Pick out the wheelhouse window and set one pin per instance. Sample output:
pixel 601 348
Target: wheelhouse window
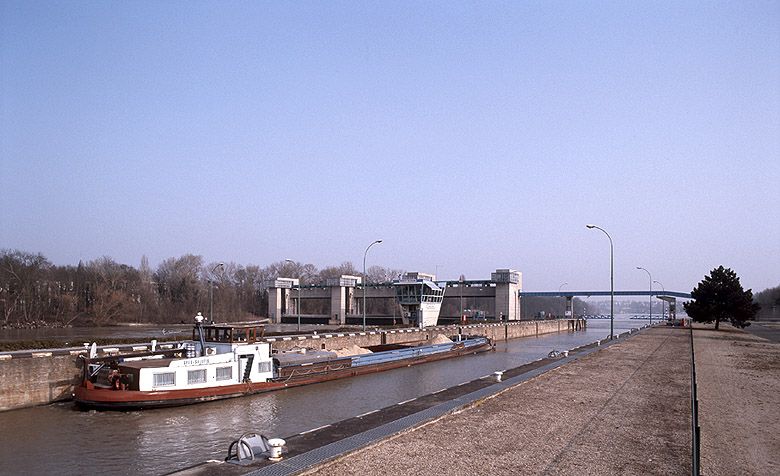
pixel 166 379
pixel 196 376
pixel 224 373
pixel 264 367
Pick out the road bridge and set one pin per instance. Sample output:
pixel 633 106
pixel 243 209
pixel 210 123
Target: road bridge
pixel 604 293
pixel 668 296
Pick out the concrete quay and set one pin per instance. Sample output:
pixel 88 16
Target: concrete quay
pixel 622 410
pixel 592 411
pixel 621 407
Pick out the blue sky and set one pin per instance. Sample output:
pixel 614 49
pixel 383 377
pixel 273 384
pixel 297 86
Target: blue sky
pixel 469 136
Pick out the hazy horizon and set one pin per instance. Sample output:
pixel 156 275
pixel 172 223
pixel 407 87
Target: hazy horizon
pixel 468 136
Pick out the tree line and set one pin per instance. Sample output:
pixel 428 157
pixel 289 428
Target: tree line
pixel 35 292
pixel 769 300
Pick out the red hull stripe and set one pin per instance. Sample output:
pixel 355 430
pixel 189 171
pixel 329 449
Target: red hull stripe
pixel 107 399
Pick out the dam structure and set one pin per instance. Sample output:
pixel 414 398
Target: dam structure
pixel 418 299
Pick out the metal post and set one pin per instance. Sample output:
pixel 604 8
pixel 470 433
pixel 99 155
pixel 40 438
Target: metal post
pixel 564 301
pixel 611 282
pixel 211 291
pixel 663 303
pixel 298 307
pixel 651 292
pixel 364 281
pixel 460 287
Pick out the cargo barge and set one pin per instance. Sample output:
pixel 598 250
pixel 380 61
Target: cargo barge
pixel 228 361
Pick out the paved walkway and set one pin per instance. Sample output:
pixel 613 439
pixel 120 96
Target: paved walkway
pixel 624 410
pixel 738 382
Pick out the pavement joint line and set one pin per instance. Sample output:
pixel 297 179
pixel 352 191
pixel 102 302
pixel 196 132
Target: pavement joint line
pixel 314 429
pixel 352 443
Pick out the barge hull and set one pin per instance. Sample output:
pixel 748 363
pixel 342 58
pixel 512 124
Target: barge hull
pixel 100 398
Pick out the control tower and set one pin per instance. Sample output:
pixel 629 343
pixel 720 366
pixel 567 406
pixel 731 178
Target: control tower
pixel 420 298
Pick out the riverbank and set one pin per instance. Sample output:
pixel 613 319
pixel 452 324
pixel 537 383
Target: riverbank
pixel 622 410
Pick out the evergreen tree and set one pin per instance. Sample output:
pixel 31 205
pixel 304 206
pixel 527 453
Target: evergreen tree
pixel 720 296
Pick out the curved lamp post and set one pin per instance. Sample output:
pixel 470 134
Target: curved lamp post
pixel 211 290
pixel 611 281
pixel 364 280
pixel 461 282
pixel 564 301
pixel 651 292
pixel 663 304
pixel 298 307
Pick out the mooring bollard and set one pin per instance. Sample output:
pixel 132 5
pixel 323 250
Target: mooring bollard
pixel 276 445
pixel 498 374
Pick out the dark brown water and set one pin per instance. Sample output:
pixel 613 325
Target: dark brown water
pixel 58 439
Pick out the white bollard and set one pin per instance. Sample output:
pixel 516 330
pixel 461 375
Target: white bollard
pixel 498 374
pixel 276 445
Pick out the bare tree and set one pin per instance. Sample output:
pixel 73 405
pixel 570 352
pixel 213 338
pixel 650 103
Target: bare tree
pixel 345 268
pixel 380 274
pixel 21 275
pixel 180 288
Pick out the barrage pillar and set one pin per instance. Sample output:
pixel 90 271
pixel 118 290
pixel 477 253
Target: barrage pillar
pixel 509 283
pixel 279 298
pixel 342 298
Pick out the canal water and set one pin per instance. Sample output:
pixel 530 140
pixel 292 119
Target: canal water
pixel 59 439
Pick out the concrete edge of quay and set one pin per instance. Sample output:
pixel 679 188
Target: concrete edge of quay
pixel 313 448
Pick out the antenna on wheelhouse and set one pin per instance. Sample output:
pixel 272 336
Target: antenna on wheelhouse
pixel 199 326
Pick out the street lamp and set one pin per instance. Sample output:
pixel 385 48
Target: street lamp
pixel 651 292
pixel 564 300
pixel 211 290
pixel 663 304
pixel 611 281
pixel 364 281
pixel 461 283
pixel 298 307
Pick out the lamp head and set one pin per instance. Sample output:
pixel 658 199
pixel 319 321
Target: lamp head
pixel 590 226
